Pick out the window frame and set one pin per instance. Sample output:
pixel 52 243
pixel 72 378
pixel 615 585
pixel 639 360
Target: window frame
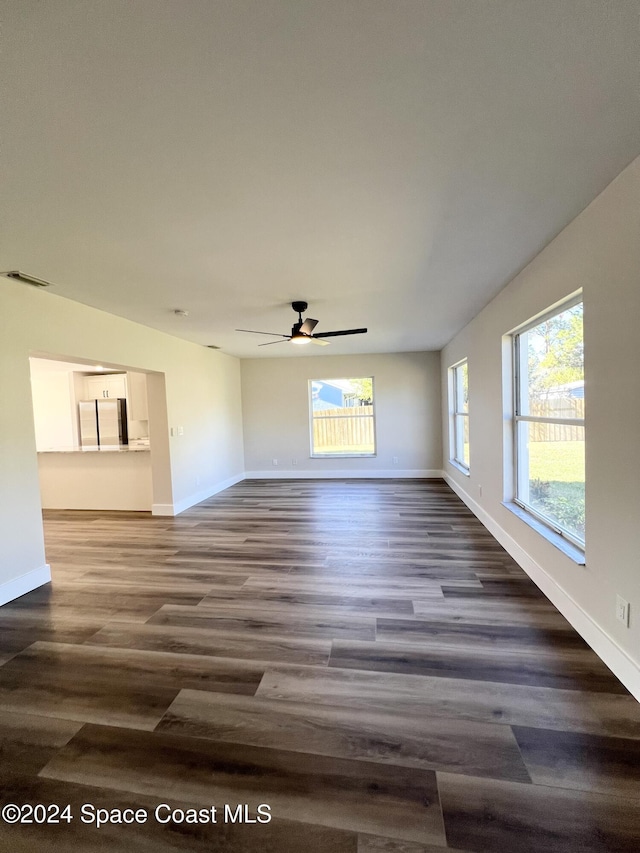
pixel 518 417
pixel 313 454
pixel 454 414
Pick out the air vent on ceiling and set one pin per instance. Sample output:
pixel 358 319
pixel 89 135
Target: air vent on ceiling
pixel 27 279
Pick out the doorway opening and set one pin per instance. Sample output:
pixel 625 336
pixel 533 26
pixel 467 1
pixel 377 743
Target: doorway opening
pixel 101 435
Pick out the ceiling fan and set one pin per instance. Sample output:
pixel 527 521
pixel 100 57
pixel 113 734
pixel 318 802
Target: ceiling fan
pixel 302 331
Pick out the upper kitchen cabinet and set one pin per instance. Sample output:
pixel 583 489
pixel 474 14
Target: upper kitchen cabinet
pixel 137 397
pixel 111 385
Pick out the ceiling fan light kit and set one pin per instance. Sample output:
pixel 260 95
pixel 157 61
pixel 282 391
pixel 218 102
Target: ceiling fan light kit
pixel 302 331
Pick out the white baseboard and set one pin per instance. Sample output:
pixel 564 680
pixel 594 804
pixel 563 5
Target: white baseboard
pixel 198 497
pixel 162 509
pixel 25 583
pixel 618 661
pixel 343 474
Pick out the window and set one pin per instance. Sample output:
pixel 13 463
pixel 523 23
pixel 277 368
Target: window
pixel 459 411
pixel 549 431
pixel 342 418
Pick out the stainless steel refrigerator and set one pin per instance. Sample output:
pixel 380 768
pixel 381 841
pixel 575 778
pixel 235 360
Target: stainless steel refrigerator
pixel 103 423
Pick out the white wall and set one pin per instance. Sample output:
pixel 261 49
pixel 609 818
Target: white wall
pixel 407 406
pixel 202 394
pixel 111 480
pixel 53 406
pixel 599 252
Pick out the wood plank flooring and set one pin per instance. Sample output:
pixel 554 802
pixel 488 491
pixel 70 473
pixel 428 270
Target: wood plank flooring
pixel 360 655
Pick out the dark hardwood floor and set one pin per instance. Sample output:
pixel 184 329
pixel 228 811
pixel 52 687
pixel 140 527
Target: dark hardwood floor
pixel 362 656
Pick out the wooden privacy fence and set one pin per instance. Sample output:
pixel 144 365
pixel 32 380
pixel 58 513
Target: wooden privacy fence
pixel 564 407
pixel 346 427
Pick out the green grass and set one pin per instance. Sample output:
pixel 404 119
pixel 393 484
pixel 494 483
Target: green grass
pixel 557 461
pixel 556 472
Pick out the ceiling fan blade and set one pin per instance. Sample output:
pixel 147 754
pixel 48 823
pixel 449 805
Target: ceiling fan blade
pixel 270 343
pixel 338 334
pixel 273 334
pixel 318 342
pixel 308 326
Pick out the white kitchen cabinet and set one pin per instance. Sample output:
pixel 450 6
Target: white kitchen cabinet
pixel 137 397
pixel 111 385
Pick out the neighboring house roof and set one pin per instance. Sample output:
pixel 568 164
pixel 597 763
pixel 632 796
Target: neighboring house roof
pixel 322 405
pixel 344 385
pixel 568 389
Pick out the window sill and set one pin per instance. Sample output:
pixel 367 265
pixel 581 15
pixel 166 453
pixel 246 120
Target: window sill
pixel 568 549
pixel 343 455
pixel 459 467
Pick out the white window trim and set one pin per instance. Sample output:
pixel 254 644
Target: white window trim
pixel 519 506
pixel 346 454
pixel 457 462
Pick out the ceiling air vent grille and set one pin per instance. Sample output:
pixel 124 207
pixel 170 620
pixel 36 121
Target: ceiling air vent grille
pixel 27 279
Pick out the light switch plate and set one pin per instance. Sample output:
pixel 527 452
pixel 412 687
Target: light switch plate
pixel 622 610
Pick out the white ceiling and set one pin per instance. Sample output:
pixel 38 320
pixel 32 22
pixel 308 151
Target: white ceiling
pixel 395 164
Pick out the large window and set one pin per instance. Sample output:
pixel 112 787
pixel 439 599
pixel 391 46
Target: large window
pixel 549 420
pixel 342 418
pixel 459 414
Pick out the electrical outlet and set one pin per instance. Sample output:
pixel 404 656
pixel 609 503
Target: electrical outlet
pixel 274 461
pixel 294 461
pixel 395 460
pixel 180 430
pixel 622 610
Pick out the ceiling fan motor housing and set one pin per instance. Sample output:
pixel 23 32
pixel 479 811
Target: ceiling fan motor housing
pixel 300 307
